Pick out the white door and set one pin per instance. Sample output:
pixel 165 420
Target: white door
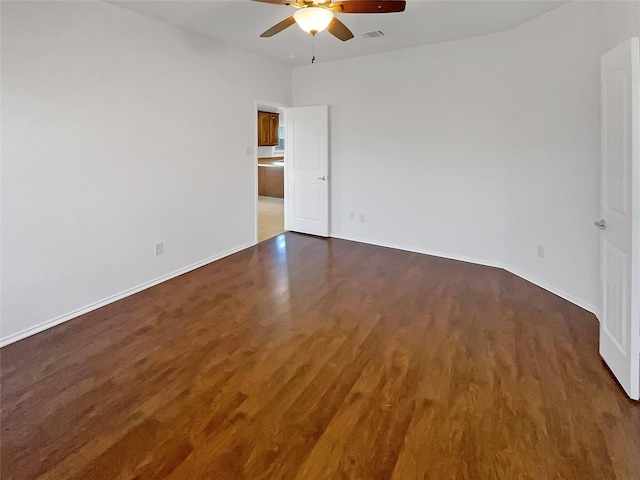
pixel 307 186
pixel 620 213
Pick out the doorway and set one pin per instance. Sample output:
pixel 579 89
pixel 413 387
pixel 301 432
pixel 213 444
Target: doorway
pixel 270 159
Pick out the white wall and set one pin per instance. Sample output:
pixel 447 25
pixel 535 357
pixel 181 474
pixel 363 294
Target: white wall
pixel 415 139
pixel 482 148
pixel 619 21
pixel 553 170
pixel 118 132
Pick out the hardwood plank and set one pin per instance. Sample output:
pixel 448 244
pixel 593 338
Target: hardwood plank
pixel 307 358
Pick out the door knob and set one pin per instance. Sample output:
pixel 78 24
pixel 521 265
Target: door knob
pixel 322 177
pixel 602 225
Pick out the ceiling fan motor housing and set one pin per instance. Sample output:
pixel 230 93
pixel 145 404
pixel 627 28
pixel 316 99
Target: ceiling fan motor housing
pixel 314 18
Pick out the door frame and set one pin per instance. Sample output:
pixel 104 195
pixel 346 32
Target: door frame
pixel 282 107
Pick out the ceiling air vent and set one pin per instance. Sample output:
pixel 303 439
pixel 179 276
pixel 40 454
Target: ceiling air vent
pixel 374 34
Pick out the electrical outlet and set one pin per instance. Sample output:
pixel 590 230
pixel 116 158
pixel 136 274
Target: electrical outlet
pixel 362 218
pixel 540 251
pixel 352 215
pixel 158 249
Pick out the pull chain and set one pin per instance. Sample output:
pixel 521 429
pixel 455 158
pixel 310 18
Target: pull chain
pixel 313 51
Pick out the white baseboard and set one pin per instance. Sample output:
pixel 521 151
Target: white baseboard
pixel 556 291
pixel 88 308
pixel 477 261
pixel 114 298
pixel 560 293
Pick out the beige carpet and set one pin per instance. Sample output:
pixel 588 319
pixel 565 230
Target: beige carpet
pixel 270 217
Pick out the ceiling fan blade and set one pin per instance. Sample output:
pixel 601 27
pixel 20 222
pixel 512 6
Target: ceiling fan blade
pixel 368 6
pixel 287 22
pixel 339 30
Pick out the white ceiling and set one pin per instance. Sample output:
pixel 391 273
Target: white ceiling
pixel 239 23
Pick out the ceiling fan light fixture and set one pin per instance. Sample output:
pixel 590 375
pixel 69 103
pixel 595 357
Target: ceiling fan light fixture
pixel 313 20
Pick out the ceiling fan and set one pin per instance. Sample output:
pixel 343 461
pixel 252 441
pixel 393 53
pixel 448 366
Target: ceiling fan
pixel 314 17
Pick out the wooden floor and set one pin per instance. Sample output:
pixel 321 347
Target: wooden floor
pixel 270 217
pixel 304 358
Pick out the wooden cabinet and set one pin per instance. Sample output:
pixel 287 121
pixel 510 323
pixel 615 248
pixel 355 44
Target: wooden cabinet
pixel 268 124
pixel 271 181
